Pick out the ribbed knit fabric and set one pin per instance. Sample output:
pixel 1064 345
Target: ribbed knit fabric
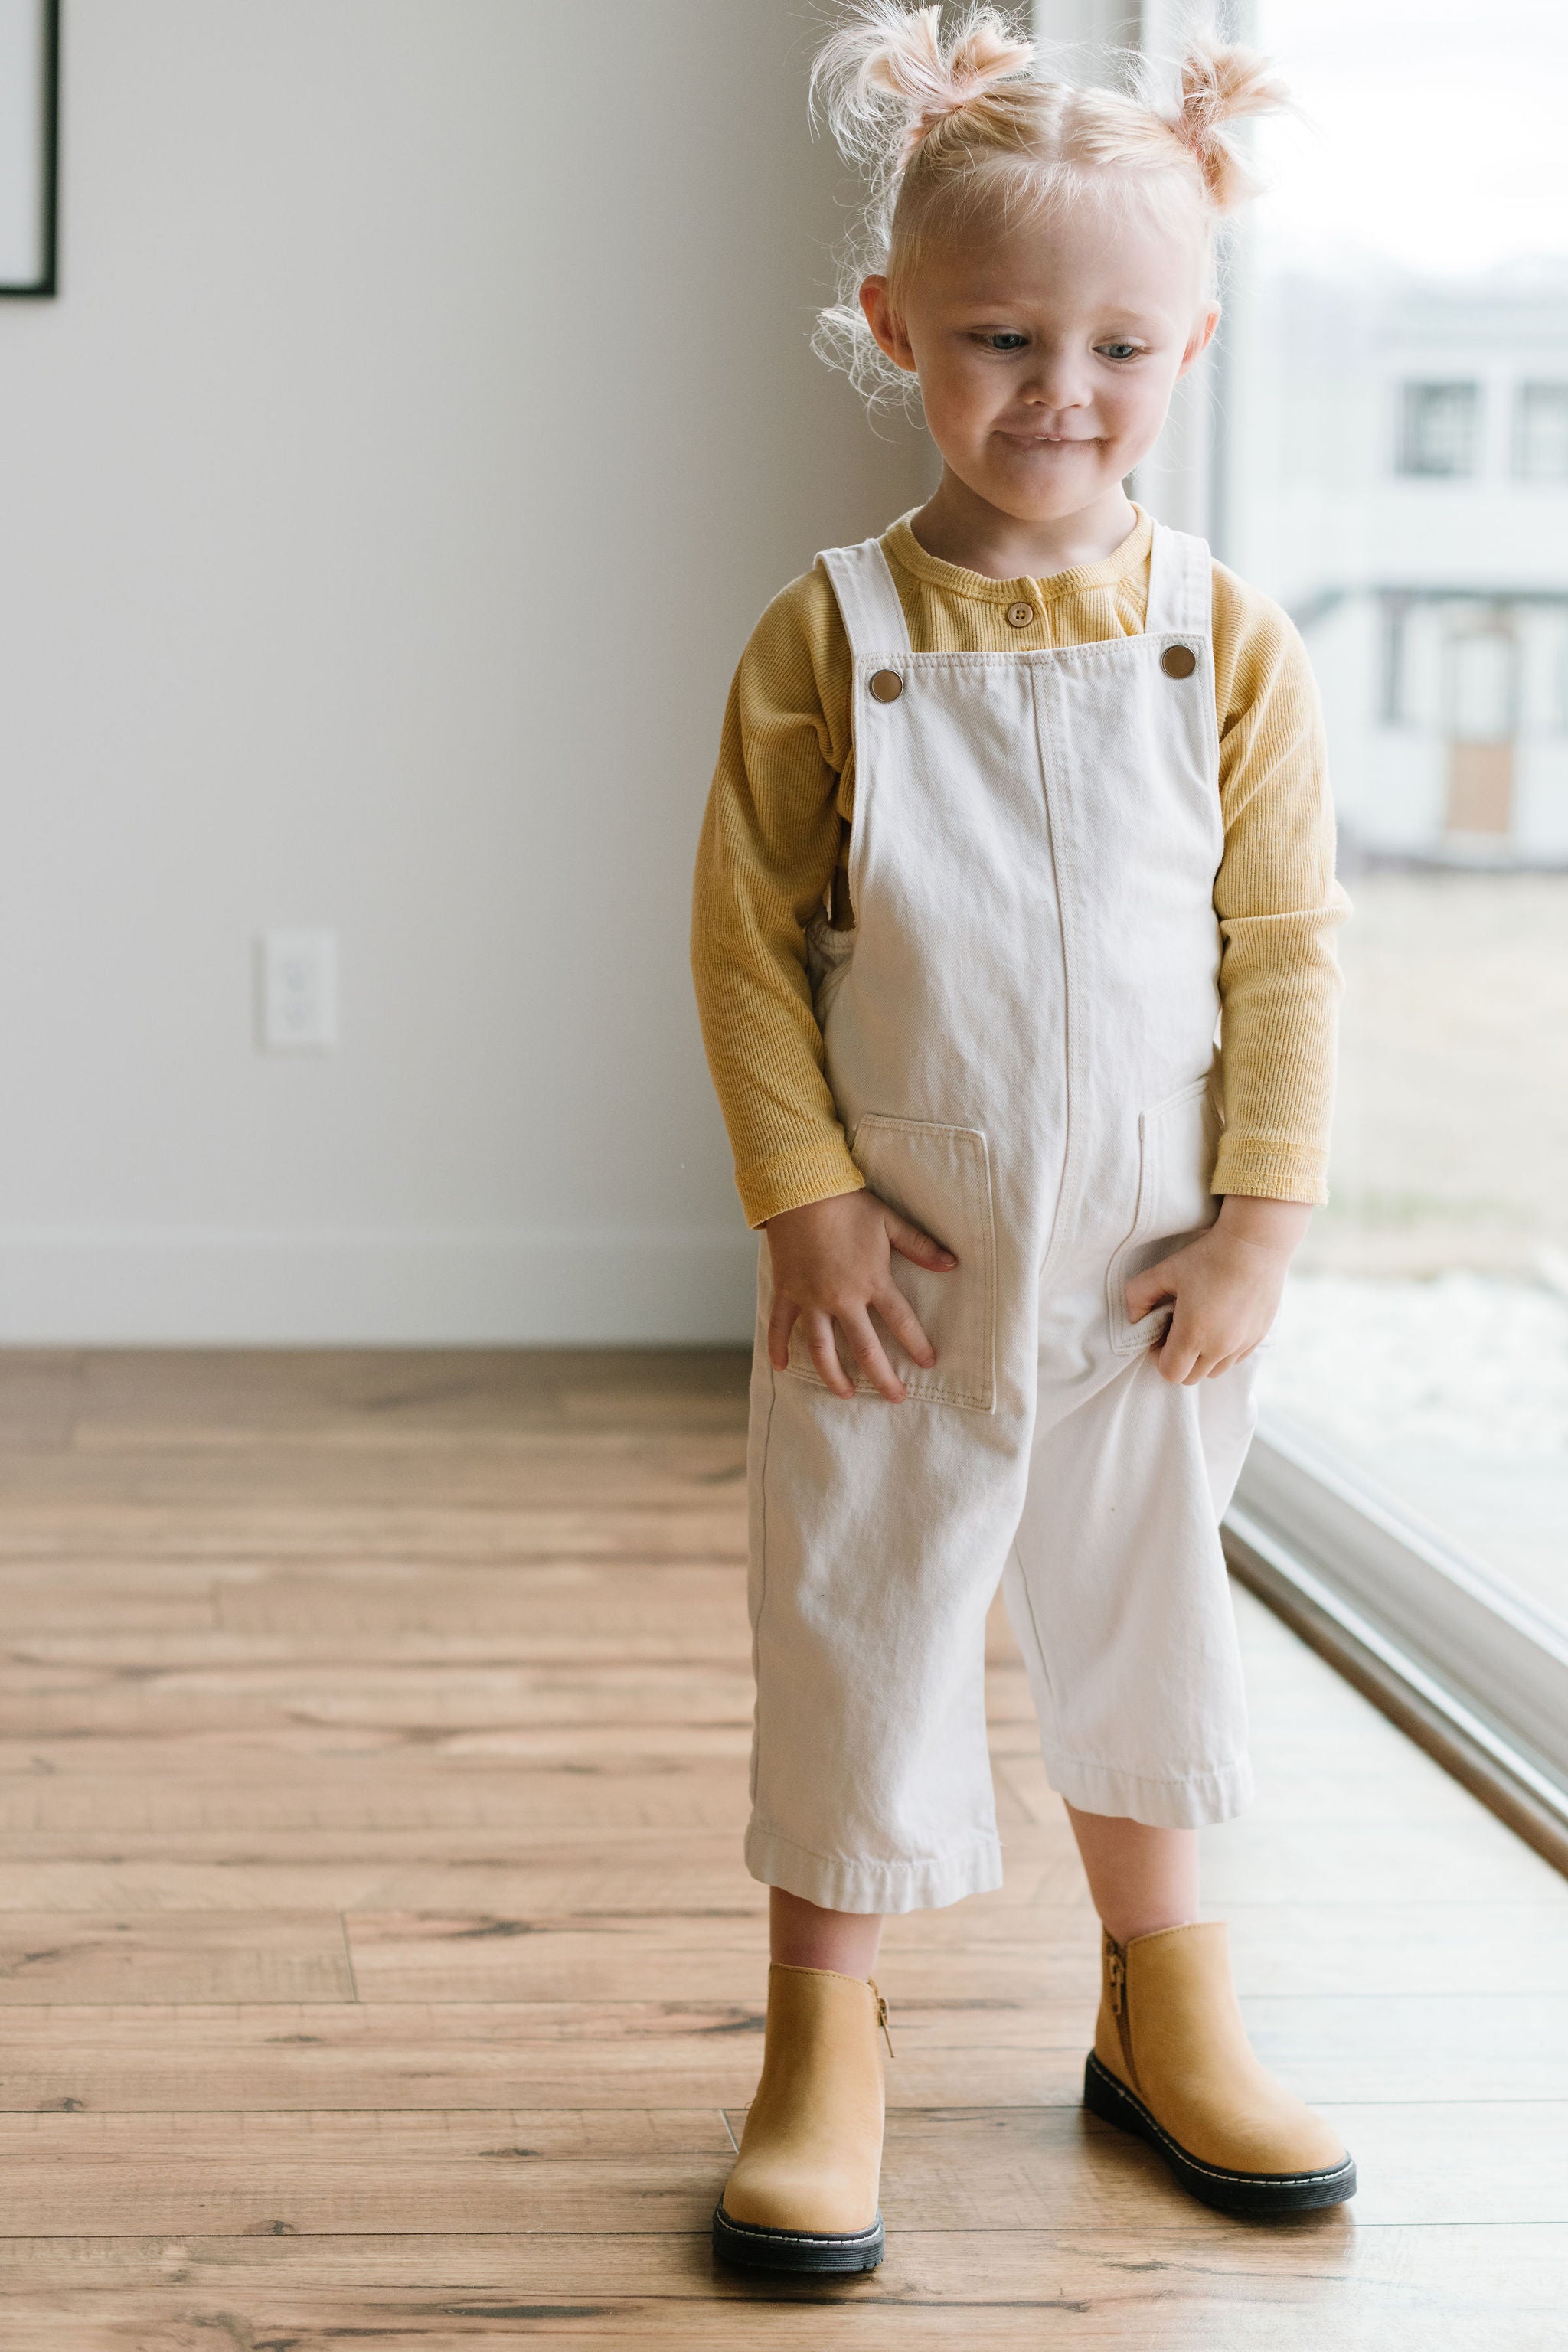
pixel 783 795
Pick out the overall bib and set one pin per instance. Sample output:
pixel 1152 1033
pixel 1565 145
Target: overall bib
pixel 1020 1040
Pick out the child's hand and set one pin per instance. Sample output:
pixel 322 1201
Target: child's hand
pixel 1226 1285
pixel 832 1263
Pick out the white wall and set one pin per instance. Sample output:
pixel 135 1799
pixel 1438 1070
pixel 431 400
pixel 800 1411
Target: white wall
pixel 426 418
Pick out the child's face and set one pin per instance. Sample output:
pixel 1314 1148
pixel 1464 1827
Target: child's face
pixel 1046 355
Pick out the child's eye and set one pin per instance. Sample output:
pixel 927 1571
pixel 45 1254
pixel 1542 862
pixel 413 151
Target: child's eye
pixel 1117 350
pixel 1004 339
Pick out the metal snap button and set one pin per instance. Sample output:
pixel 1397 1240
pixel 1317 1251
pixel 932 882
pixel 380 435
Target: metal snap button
pixel 1020 616
pixel 887 685
pixel 1178 661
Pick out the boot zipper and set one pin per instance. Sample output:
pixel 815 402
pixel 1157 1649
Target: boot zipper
pixel 883 2017
pixel 1116 1980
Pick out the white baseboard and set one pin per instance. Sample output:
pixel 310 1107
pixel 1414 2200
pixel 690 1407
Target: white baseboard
pixel 521 1286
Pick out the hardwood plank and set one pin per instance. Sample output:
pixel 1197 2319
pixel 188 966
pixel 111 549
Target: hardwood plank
pixel 534 1470
pixel 384 1793
pixel 208 1755
pixel 465 1390
pixel 141 1600
pixel 164 1956
pixel 263 1697
pixel 458 2321
pixel 127 1528
pixel 531 1603
pixel 493 2137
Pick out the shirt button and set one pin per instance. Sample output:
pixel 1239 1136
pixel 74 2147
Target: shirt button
pixel 887 685
pixel 1020 616
pixel 1178 661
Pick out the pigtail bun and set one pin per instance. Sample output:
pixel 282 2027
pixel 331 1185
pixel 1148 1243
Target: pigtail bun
pixel 1219 86
pixel 886 79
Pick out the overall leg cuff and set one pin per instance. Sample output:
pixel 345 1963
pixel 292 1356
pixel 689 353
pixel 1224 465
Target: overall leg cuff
pixel 1196 1801
pixel 840 1883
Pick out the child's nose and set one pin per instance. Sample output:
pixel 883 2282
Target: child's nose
pixel 1057 384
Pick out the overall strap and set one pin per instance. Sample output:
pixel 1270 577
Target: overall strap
pixel 1181 585
pixel 863 583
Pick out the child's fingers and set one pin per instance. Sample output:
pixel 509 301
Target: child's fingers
pixel 866 1349
pixel 1145 1290
pixel 819 1338
pixel 920 1248
pixel 781 1323
pixel 1178 1354
pixel 904 1324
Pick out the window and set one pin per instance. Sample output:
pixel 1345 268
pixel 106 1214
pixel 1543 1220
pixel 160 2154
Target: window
pixel 1438 428
pixel 1413 1452
pixel 1540 432
pixel 1482 693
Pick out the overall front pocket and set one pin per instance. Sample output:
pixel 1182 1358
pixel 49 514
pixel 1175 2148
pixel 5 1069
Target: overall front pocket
pixel 1177 1140
pixel 940 1178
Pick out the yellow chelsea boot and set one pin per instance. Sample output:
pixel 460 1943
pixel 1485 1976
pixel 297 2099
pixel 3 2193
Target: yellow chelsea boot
pixel 802 2193
pixel 1172 2063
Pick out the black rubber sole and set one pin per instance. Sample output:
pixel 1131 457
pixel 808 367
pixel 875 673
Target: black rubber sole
pixel 1252 2193
pixel 755 2249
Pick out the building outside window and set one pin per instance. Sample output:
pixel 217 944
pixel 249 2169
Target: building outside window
pixel 1383 295
pixel 1540 432
pixel 1440 428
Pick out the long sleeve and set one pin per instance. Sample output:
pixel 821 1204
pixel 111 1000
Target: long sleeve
pixel 770 837
pixel 1278 903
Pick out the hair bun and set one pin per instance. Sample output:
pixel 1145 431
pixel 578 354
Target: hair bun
pixel 1221 85
pixel 889 59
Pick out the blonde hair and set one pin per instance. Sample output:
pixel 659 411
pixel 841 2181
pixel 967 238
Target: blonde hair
pixel 955 129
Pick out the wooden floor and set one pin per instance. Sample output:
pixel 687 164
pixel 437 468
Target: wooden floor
pixel 378 1967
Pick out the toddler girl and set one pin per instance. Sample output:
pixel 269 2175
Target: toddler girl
pixel 1011 804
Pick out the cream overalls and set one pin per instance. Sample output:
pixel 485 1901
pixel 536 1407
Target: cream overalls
pixel 1020 1035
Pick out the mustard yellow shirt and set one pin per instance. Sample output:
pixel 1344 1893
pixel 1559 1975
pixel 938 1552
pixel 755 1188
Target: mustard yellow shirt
pixel 783 797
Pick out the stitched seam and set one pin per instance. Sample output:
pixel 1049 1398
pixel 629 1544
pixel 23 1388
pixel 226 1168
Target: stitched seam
pixel 1145 1780
pixel 922 1395
pixel 1072 1067
pixel 799 2237
pixel 1127 1337
pixel 1035 1628
pixel 762 1579
pixel 1219 2172
pixel 987 1844
pixel 1101 649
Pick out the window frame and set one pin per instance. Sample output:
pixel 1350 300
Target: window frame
pixel 1471 1665
pixel 1415 393
pixel 1527 388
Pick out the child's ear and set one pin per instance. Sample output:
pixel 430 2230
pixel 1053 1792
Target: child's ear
pixel 886 324
pixel 1200 338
